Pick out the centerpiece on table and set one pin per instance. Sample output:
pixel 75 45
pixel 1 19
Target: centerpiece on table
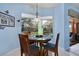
pixel 39 29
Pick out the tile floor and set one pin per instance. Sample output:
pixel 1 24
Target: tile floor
pixel 16 52
pixel 74 51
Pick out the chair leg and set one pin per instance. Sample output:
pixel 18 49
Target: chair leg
pixel 21 53
pixel 56 53
pixel 45 52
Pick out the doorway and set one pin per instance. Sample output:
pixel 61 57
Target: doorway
pixel 73 26
pixel 74 30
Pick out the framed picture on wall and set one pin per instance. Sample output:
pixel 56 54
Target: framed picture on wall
pixel 7 20
pixel 3 19
pixel 11 21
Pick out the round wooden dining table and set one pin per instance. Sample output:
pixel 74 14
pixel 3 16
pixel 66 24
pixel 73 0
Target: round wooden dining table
pixel 39 42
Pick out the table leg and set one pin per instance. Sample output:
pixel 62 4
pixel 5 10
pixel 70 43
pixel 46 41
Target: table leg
pixel 41 50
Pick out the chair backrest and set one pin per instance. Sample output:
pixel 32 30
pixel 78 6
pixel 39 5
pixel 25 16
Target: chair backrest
pixel 24 43
pixel 25 33
pixel 57 40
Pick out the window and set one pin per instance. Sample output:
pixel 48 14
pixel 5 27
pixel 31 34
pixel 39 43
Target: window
pixel 31 24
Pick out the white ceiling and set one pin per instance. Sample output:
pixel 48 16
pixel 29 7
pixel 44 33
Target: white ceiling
pixel 44 5
pixel 48 5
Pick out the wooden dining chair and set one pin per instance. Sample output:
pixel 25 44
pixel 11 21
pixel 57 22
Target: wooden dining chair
pixel 53 47
pixel 27 33
pixel 26 48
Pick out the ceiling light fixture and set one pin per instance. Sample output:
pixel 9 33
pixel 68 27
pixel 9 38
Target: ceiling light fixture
pixel 36 17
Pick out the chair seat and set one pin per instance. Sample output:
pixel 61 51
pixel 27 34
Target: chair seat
pixel 49 45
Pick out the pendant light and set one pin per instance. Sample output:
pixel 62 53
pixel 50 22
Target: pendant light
pixel 38 22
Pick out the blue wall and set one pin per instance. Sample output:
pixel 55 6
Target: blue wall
pixel 59 23
pixel 9 36
pixel 46 12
